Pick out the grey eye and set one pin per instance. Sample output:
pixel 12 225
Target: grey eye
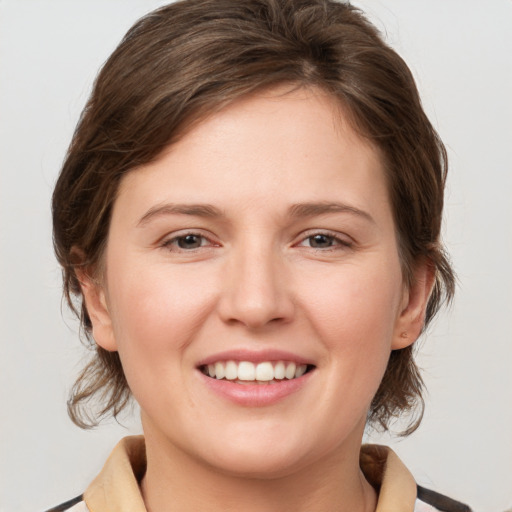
pixel 321 241
pixel 190 241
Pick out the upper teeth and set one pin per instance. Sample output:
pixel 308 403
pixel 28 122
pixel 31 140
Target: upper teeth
pixel 247 371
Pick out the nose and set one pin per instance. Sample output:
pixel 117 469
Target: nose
pixel 256 291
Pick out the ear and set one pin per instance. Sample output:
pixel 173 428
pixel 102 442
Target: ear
pixel 414 304
pixel 95 300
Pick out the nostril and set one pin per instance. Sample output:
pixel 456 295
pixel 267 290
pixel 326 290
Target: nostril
pixel 255 300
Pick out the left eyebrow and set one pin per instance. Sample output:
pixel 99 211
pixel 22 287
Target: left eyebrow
pixel 313 209
pixel 197 210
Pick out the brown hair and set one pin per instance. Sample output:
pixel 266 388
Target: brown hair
pixel 188 59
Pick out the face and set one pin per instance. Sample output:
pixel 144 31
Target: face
pixel 253 287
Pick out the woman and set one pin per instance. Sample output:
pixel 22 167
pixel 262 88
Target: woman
pixel 249 213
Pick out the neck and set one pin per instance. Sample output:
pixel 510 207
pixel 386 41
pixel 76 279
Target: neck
pixel 175 481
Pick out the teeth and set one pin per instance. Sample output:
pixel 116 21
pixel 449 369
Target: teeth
pixel 245 371
pixel 279 370
pixel 231 370
pixel 300 371
pixel 219 371
pixel 290 371
pixel 264 371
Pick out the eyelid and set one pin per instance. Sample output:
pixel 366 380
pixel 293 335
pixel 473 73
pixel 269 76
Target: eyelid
pixel 168 240
pixel 343 239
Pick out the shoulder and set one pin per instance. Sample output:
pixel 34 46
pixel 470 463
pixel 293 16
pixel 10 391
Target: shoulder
pixel 431 501
pixel 75 505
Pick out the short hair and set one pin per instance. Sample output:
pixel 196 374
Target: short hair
pixel 189 59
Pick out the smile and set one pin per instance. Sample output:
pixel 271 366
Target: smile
pixel 245 372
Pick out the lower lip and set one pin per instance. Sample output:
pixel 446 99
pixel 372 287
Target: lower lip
pixel 256 395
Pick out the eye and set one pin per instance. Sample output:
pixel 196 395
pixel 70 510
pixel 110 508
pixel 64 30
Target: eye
pixel 324 241
pixel 321 241
pixel 187 242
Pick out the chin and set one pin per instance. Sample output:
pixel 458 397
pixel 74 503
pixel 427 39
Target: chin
pixel 256 455
pixel 257 463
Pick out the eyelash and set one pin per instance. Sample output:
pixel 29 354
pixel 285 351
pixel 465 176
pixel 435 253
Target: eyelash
pixel 172 243
pixel 335 241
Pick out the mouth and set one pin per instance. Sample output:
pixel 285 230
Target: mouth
pixel 247 372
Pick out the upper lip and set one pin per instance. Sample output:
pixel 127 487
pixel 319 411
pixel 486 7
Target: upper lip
pixel 254 356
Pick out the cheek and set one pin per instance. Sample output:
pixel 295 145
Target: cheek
pixel 355 314
pixel 158 309
pixel 157 315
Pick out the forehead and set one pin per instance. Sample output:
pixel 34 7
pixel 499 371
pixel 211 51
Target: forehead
pixel 281 144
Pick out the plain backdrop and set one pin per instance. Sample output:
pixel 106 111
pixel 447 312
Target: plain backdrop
pixel 460 52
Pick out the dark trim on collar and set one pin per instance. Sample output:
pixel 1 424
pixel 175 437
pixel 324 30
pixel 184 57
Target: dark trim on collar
pixel 440 502
pixel 65 506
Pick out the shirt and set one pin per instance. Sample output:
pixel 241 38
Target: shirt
pixel 116 488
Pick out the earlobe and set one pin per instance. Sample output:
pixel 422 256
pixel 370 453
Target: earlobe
pixel 97 307
pixel 414 304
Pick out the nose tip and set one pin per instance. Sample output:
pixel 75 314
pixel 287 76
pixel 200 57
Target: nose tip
pixel 256 294
pixel 255 315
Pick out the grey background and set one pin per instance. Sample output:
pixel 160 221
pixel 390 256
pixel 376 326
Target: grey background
pixel 460 52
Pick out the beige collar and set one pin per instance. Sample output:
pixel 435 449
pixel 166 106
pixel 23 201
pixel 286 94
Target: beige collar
pixel 116 488
pixel 387 473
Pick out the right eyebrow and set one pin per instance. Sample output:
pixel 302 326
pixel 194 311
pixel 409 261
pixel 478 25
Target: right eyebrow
pixel 198 210
pixel 322 208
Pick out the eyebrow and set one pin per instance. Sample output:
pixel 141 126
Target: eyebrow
pixel 322 208
pixel 207 210
pixel 197 210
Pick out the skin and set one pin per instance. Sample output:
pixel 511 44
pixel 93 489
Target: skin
pixel 256 278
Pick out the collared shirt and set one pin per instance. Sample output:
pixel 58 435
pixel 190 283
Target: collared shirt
pixel 116 488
